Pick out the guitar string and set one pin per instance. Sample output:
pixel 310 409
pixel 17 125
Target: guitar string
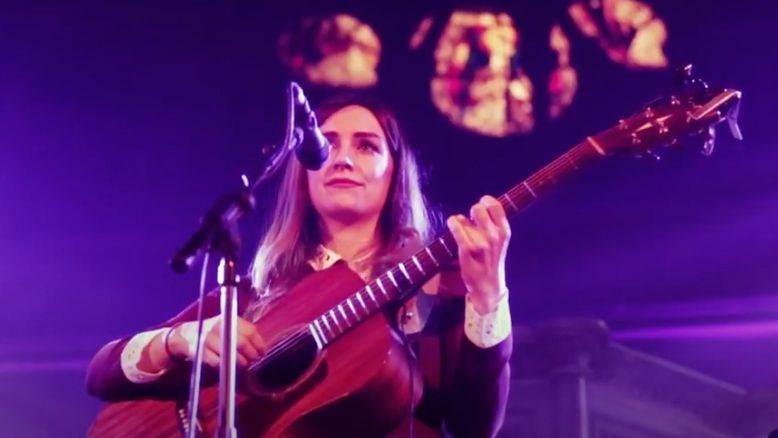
pixel 281 347
pixel 519 191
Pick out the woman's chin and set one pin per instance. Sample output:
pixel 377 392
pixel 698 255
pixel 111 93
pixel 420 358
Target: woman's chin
pixel 345 212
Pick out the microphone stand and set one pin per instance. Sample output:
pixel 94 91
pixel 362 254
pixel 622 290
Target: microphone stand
pixel 218 232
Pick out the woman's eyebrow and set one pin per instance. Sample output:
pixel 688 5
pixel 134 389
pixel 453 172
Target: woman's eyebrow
pixel 367 134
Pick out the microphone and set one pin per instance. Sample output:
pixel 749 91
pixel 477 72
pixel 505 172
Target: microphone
pixel 313 149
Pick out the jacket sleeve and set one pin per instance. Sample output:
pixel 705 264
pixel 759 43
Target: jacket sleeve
pixel 106 380
pixel 475 381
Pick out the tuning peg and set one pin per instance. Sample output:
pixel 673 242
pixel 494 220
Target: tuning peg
pixel 732 116
pixel 683 75
pixel 684 80
pixel 709 135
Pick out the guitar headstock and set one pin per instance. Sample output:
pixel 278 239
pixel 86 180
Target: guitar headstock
pixel 694 109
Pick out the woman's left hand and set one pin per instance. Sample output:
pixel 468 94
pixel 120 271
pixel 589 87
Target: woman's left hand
pixel 483 245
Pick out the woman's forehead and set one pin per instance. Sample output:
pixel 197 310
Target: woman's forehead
pixel 352 119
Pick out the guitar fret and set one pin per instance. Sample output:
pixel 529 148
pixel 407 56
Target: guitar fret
pixel 351 306
pixel 381 286
pixel 418 265
pixel 335 319
pixel 510 201
pixel 316 336
pixel 394 281
pixel 342 312
pixel 318 329
pixel 446 247
pixel 361 302
pixel 370 292
pixel 599 149
pixel 327 324
pixel 529 189
pixel 404 271
pixel 432 257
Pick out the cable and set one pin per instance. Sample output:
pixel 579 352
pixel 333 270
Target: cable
pixel 197 363
pixel 411 358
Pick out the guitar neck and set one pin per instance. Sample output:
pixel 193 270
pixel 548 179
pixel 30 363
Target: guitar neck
pixel 406 277
pixel 521 195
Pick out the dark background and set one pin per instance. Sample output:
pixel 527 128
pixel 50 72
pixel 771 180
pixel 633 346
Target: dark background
pixel 121 122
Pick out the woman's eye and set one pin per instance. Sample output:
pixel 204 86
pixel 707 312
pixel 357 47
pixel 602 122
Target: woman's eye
pixel 367 145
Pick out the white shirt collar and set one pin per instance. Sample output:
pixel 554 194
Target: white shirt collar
pixel 323 258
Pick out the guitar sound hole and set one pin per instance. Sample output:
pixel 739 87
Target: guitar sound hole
pixel 284 363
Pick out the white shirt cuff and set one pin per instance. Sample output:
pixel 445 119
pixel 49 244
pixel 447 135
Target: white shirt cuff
pixel 132 353
pixel 488 330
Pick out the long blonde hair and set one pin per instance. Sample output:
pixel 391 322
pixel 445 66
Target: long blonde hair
pixel 406 222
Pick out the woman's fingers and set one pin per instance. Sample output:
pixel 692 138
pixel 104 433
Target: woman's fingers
pixel 246 352
pixel 253 339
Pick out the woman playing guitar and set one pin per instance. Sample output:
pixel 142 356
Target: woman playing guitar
pixel 361 213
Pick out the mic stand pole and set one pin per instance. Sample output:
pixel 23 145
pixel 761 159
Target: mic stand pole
pixel 219 231
pixel 228 290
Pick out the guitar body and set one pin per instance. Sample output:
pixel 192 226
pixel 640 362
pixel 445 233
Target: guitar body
pixel 357 386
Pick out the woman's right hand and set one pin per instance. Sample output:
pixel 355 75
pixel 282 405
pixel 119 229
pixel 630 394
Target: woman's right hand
pixel 183 341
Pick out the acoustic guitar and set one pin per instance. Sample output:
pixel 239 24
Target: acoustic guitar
pixel 333 354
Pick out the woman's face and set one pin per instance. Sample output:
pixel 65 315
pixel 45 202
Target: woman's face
pixel 353 183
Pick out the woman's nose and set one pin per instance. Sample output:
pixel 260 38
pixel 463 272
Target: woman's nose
pixel 341 157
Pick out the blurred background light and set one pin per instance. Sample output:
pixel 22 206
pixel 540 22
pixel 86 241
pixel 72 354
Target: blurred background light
pixel 628 31
pixel 479 84
pixel 337 50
